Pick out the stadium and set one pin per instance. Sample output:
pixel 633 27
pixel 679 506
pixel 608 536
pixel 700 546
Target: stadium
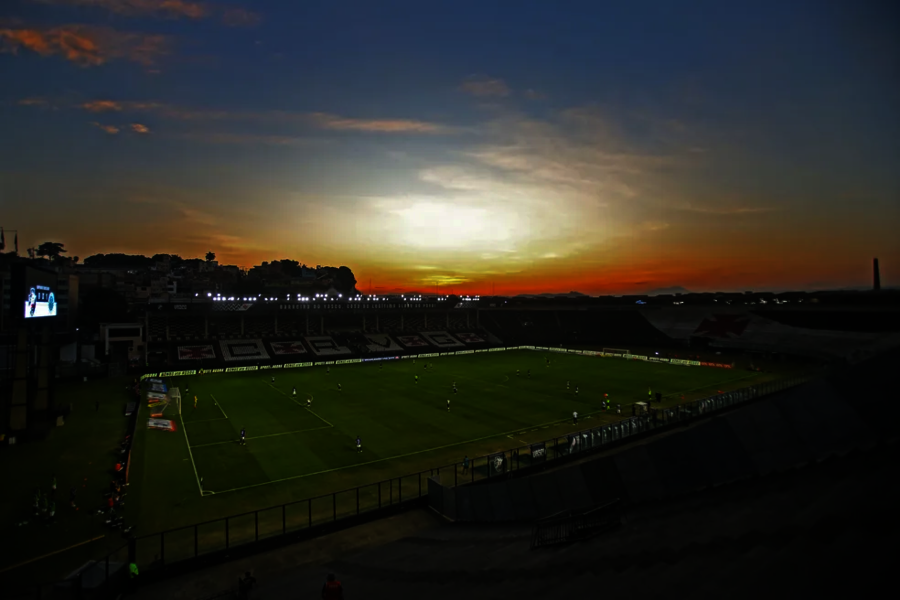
pixel 257 424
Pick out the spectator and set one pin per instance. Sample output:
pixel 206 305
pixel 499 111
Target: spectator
pixel 245 585
pixel 332 590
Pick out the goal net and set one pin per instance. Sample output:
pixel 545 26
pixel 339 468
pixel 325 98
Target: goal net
pixel 175 400
pixel 616 351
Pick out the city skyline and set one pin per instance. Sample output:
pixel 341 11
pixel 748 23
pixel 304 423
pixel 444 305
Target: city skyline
pixel 606 150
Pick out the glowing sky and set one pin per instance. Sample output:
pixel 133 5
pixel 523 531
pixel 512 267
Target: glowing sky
pixel 604 147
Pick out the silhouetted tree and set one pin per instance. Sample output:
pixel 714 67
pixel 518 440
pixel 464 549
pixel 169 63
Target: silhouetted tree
pixel 210 256
pixel 52 250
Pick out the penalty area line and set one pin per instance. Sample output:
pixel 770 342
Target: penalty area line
pixel 193 464
pixel 219 406
pixel 294 400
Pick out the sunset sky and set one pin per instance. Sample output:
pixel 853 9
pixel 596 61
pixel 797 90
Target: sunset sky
pixel 604 147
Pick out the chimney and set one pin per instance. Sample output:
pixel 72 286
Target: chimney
pixel 876 274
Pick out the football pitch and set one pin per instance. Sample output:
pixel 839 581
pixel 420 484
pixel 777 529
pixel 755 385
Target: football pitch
pixel 304 445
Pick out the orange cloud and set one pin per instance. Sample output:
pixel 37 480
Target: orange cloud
pixel 166 9
pixel 327 121
pixel 33 102
pixel 479 85
pixel 111 129
pixel 138 128
pixel 87 45
pixel 101 106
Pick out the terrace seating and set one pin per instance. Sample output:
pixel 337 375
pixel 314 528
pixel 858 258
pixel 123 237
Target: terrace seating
pixel 185 328
pixel 413 322
pixel 225 328
pixel 259 326
pixel 243 350
pixel 389 323
pixel 343 322
pixel 290 326
pixel 156 329
pixel 457 322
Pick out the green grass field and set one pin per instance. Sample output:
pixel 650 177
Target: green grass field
pixel 295 451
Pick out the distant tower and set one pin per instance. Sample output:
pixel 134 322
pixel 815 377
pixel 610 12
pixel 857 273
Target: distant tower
pixel 877 274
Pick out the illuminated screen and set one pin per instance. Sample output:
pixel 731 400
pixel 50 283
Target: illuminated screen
pixel 40 302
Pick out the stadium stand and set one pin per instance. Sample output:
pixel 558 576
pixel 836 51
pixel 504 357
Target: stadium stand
pixel 259 326
pixel 389 323
pixel 412 341
pixel 413 322
pixel 379 342
pixel 458 322
pixel 287 350
pixel 156 328
pixel 185 328
pixel 224 327
pixel 339 322
pixel 326 346
pixel 289 326
pixel 196 352
pixel 243 350
pixel 441 339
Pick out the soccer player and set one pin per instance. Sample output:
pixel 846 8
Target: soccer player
pixel 426 367
pixel 308 402
pixel 529 373
pixel 417 379
pixel 454 388
pixel 517 372
pixel 567 385
pixel 339 387
pixel 294 392
pixel 273 380
pixel 576 390
pixel 649 396
pixel 243 437
pixel 448 404
pixel 548 361
pixel 574 417
pixel 187 389
pixel 466 464
pixel 195 402
pixel 328 369
pixel 618 409
pixel 358 445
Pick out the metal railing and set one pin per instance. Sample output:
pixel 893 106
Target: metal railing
pixel 288 521
pixel 570 526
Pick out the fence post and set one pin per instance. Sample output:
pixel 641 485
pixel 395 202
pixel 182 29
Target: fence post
pixel 256 524
pixel 226 531
pixel 400 490
pixel 309 506
pixel 420 484
pixel 357 500
pixel 455 475
pixel 334 506
pixel 379 494
pixel 473 469
pixel 196 542
pixel 283 519
pixel 391 492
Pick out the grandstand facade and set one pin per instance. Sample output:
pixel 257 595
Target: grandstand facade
pixel 203 333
